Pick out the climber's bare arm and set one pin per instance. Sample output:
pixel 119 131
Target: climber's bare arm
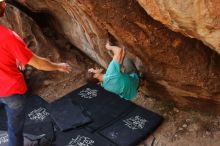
pixel 118 53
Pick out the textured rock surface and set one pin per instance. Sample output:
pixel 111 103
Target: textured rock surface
pixel 76 24
pixel 29 31
pixel 177 67
pixel 195 18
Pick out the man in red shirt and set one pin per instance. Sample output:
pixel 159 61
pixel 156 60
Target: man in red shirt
pixel 13 52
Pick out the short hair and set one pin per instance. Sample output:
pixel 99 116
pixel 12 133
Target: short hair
pixel 90 78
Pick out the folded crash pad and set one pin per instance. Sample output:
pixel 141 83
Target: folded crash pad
pixel 133 127
pixel 45 128
pixel 67 115
pixel 37 110
pixel 80 137
pixel 89 96
pixel 37 115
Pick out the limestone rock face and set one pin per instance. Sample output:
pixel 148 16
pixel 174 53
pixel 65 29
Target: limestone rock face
pixel 176 67
pixel 195 18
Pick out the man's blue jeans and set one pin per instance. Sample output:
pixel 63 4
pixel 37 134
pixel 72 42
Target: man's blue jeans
pixel 15 109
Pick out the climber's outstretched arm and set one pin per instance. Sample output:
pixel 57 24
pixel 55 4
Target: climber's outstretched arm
pixel 118 53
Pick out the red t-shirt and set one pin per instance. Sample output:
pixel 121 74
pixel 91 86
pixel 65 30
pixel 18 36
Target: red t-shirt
pixel 12 48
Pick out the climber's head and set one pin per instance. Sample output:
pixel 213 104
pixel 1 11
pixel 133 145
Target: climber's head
pixel 94 75
pixel 2 7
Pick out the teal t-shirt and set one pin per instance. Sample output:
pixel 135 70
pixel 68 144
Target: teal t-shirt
pixel 125 85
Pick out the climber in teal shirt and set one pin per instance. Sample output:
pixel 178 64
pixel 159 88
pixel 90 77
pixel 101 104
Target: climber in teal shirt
pixel 126 83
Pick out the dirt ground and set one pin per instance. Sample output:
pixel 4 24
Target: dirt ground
pixel 180 127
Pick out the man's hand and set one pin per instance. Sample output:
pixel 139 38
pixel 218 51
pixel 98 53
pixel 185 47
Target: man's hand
pixel 20 66
pixel 108 46
pixel 118 52
pixel 95 71
pixel 114 49
pixel 91 70
pixel 64 67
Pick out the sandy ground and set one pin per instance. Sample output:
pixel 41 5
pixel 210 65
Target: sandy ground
pixel 180 127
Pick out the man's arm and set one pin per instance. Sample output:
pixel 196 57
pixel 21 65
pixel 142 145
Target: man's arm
pixel 44 64
pixel 118 53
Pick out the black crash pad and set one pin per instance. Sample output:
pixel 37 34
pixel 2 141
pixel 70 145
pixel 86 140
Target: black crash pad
pixel 37 110
pixel 102 106
pixel 89 95
pixel 46 128
pixel 37 115
pixel 133 127
pixel 80 137
pixel 67 115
